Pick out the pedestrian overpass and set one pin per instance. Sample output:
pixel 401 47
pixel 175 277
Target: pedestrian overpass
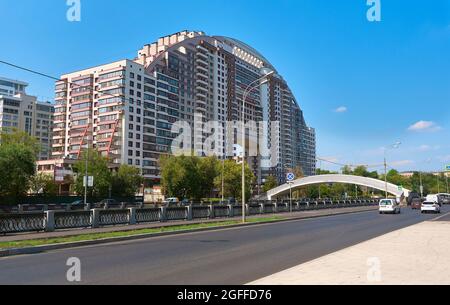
pixel 284 190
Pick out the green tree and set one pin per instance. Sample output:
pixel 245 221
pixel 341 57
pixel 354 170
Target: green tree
pixel 361 171
pixel 42 184
pixel 208 168
pixel 173 176
pixel 233 180
pixel 188 177
pixel 127 181
pixel 16 136
pixel 17 167
pixel 98 168
pixel 347 170
pixel 271 183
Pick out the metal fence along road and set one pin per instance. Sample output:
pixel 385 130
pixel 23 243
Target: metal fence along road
pixel 56 220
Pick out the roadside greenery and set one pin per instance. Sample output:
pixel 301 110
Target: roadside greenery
pixel 44 185
pixel 191 177
pixel 123 181
pixel 18 153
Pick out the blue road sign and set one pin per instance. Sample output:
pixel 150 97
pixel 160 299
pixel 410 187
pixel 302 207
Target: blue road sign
pixel 290 177
pixel 447 168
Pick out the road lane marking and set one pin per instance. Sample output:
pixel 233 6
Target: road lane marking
pixel 440 217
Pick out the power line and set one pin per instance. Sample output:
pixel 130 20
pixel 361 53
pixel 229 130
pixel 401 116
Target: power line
pixel 28 70
pixel 50 77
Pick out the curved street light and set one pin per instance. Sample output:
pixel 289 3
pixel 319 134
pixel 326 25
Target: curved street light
pixel 252 86
pixel 393 146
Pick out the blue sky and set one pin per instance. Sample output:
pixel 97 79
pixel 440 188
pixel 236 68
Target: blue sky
pixel 384 77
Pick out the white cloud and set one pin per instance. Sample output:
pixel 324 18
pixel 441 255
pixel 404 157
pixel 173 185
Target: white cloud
pixel 341 109
pixel 424 126
pixel 424 148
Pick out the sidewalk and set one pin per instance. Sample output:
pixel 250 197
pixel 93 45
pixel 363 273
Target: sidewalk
pixel 284 216
pixel 411 256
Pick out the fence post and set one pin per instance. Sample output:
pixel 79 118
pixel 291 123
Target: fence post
pixel 132 216
pixel 20 208
pixel 211 211
pixel 275 207
pixel 163 214
pixel 95 218
pixel 262 208
pixel 230 210
pixel 247 210
pixel 189 213
pixel 49 221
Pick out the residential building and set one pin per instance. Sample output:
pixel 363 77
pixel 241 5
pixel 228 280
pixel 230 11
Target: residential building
pixel 127 109
pixel 23 112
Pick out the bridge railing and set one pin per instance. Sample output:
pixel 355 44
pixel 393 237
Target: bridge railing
pixel 58 220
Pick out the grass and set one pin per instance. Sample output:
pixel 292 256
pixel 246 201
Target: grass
pixel 98 236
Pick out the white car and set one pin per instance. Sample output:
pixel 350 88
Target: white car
pixel 389 206
pixel 430 206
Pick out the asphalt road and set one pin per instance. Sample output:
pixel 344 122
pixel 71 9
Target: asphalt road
pixel 228 256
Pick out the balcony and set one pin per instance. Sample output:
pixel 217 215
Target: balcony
pixel 201 82
pixel 201 68
pixel 202 61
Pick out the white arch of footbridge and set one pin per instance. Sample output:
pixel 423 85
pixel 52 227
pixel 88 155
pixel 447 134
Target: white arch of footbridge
pixel 344 179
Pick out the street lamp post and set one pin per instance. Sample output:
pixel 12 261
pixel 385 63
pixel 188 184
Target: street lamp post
pixel 393 146
pixel 421 184
pixel 446 178
pixel 255 84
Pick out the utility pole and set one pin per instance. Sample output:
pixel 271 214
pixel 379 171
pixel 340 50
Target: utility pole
pixel 446 175
pixel 290 197
pixel 86 175
pixel 385 176
pixel 421 185
pixel 438 183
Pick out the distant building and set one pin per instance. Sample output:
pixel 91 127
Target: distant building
pixel 407 174
pixel 10 87
pixel 24 112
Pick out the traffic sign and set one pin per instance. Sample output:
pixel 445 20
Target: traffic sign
pixel 447 168
pixel 290 177
pixel 90 182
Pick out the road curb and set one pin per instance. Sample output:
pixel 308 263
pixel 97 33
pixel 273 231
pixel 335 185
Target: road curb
pixel 45 248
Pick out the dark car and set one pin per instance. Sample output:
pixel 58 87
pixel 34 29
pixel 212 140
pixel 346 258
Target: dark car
pixel 77 205
pixel 107 203
pixel 416 204
pixel 185 202
pixel 232 200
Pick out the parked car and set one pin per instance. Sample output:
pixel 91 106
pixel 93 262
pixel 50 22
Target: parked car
pixel 430 207
pixel 389 206
pixel 106 203
pixel 185 202
pixel 171 202
pixel 77 205
pixel 416 204
pixel 232 200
